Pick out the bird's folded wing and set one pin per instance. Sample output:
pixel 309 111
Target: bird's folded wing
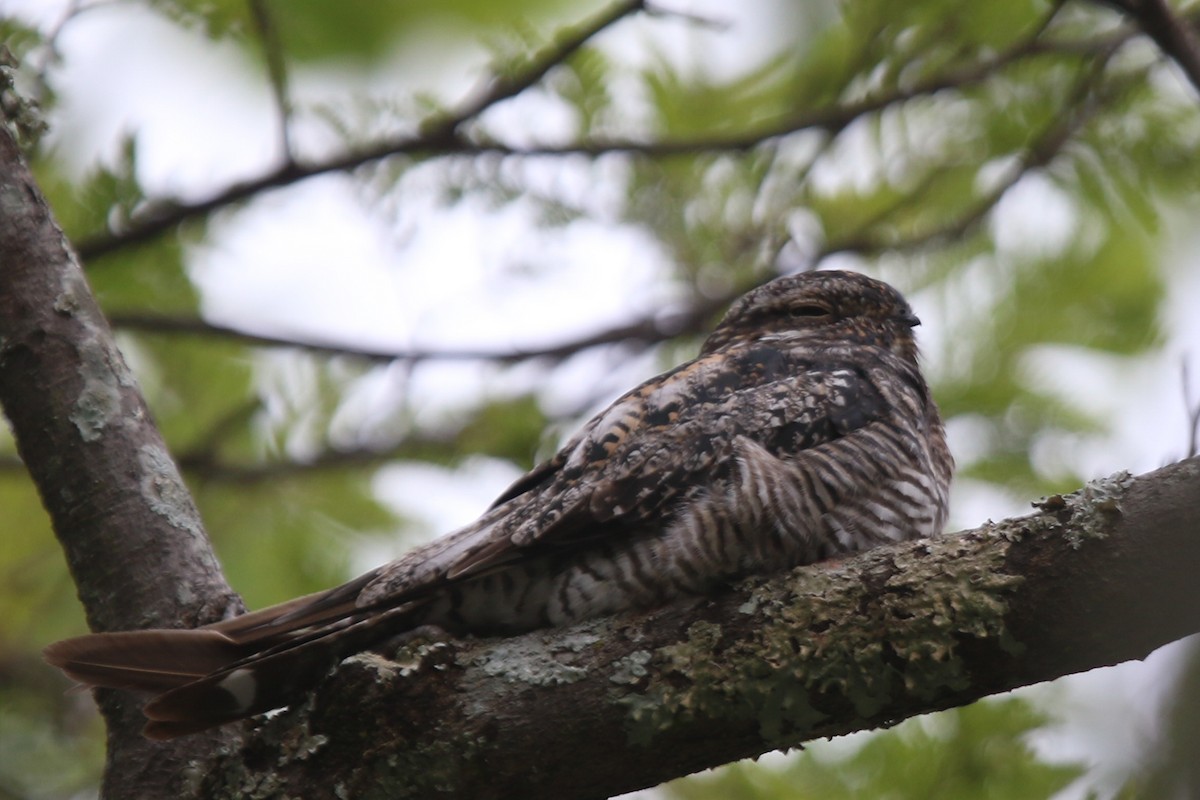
pixel 665 439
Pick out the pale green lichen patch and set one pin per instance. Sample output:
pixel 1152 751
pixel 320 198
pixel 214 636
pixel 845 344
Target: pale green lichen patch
pixel 101 368
pixel 22 116
pixel 299 745
pixel 577 641
pixel 820 640
pixel 967 598
pixel 631 669
pixel 520 661
pixel 1089 510
pixel 163 490
pixel 499 668
pixel 99 401
pixel 385 669
pixel 412 657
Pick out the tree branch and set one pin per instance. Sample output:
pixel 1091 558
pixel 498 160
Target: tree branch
pixel 1191 408
pixel 442 136
pixel 1173 34
pixel 132 536
pixel 644 332
pixel 503 87
pixel 276 72
pixel 1083 103
pixel 1092 579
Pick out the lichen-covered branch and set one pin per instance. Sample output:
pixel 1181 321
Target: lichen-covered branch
pixel 1091 579
pixel 132 536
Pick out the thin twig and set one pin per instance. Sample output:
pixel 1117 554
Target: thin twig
pixel 209 442
pixel 438 136
pixel 277 72
pixel 712 23
pixel 442 138
pixel 1081 107
pixel 208 467
pixel 644 331
pixel 1173 35
pixel 49 50
pixel 502 87
pixel 1191 407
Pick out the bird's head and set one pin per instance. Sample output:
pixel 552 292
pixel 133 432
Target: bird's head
pixel 820 307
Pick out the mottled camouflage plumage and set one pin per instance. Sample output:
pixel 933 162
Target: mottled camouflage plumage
pixel 802 430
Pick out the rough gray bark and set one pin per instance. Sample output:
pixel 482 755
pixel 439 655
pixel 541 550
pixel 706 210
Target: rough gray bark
pixel 1095 578
pixel 132 536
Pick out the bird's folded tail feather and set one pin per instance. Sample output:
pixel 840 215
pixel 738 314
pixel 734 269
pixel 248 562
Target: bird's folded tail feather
pixel 150 661
pixel 205 677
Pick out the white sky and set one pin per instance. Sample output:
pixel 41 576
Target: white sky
pixel 326 260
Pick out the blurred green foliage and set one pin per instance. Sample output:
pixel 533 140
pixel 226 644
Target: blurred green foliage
pixel 974 753
pixel 881 134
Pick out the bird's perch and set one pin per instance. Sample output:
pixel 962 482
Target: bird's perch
pixel 1092 579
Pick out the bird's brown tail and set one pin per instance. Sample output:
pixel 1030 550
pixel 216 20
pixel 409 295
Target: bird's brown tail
pixel 233 669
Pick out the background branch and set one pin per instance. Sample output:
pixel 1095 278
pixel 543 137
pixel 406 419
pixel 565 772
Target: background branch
pixel 1038 154
pixel 439 136
pixel 277 72
pixel 695 320
pixel 1173 34
pixel 1191 406
pixel 504 86
pixel 442 136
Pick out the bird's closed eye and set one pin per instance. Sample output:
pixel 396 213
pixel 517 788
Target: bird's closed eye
pixel 807 310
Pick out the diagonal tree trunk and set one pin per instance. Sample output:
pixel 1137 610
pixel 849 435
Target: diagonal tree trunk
pixel 131 535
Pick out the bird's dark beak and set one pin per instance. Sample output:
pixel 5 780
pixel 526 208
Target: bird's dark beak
pixel 910 319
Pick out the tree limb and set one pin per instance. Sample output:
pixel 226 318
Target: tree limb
pixel 442 136
pixel 132 536
pixel 272 48
pixel 1092 579
pixel 1174 34
pixel 697 318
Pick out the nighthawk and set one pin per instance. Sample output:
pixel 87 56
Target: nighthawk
pixel 803 430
